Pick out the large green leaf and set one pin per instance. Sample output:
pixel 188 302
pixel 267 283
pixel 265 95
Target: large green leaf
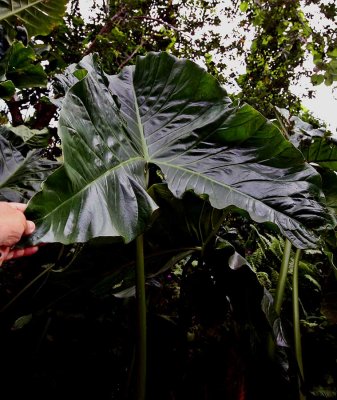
pixel 38 16
pixel 170 113
pixel 322 151
pixel 190 221
pixel 21 177
pixel 317 145
pixel 22 136
pixel 71 75
pixel 7 90
pixel 19 67
pixel 329 184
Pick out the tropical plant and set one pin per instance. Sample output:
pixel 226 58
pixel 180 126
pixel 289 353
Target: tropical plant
pixel 37 16
pixel 158 162
pixel 167 120
pixel 178 144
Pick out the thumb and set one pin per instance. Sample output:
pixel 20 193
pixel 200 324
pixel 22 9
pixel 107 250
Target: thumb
pixel 30 228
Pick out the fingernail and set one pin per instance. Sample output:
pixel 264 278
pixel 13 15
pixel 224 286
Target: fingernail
pixel 30 226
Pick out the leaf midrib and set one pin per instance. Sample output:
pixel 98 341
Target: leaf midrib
pixel 19 10
pixel 140 126
pixel 121 165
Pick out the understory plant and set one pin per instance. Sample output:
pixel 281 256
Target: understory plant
pixel 165 128
pixel 171 193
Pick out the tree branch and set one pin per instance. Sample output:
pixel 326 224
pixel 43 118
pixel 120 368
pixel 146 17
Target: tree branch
pixel 14 108
pixel 44 113
pixel 105 29
pixel 160 21
pixel 131 55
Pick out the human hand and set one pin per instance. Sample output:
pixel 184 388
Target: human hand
pixel 14 225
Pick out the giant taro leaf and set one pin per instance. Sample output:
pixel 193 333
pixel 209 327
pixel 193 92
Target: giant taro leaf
pixel 38 16
pixel 170 113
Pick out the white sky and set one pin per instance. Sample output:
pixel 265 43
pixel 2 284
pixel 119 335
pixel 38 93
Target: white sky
pixel 323 106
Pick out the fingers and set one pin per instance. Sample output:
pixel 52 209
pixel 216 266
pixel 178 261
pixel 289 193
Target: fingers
pixel 4 251
pixel 13 226
pixel 28 251
pixel 18 206
pixel 8 254
pixel 30 228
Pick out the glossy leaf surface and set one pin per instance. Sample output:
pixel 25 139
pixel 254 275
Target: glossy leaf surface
pixel 32 138
pixel 170 113
pixel 21 177
pixel 38 16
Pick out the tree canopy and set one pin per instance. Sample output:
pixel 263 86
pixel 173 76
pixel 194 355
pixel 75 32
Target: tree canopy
pixel 271 39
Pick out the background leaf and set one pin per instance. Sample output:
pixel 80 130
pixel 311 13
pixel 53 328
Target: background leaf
pixel 317 145
pixel 322 151
pixel 21 177
pixel 329 182
pixel 33 138
pixel 18 66
pixel 7 90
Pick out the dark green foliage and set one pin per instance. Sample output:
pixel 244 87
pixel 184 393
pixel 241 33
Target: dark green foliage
pixel 205 336
pixel 287 34
pixel 68 312
pixel 21 174
pixel 277 50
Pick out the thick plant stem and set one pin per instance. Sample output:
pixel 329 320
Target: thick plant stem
pixel 279 293
pixel 281 284
pixel 296 319
pixel 141 321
